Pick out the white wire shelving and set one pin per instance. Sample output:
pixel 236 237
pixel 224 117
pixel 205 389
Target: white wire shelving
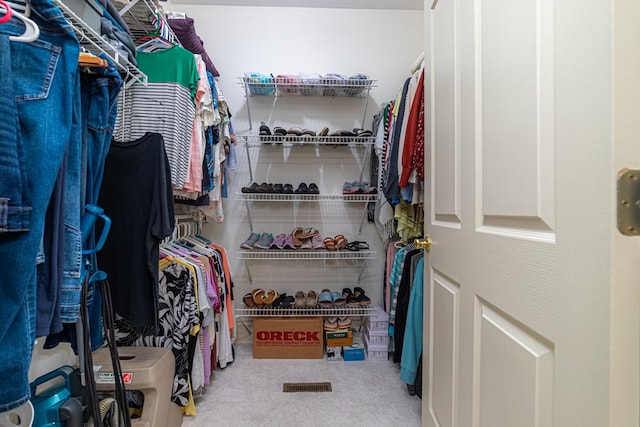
pixel 279 197
pixel 305 311
pixel 305 254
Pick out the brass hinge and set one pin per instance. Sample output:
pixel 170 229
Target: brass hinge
pixel 629 202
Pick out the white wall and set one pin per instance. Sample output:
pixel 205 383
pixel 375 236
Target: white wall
pixel 288 40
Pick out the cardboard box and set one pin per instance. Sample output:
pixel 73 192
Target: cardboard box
pixel 334 353
pixel 287 338
pixel 355 351
pixel 339 338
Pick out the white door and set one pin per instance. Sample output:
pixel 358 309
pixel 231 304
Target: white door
pixel 531 293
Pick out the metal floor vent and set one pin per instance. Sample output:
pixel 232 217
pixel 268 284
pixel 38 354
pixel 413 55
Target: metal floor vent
pixel 305 387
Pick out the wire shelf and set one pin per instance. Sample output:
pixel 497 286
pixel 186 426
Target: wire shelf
pixel 305 312
pixel 275 197
pixel 303 254
pixel 92 41
pixel 306 87
pixel 290 140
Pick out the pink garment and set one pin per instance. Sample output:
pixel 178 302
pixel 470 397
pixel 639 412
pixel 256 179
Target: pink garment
pixel 194 181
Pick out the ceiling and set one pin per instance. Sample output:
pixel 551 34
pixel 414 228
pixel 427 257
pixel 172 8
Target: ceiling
pixel 329 4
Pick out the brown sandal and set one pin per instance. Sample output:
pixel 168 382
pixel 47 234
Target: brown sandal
pixel 330 244
pixel 340 241
pixel 248 300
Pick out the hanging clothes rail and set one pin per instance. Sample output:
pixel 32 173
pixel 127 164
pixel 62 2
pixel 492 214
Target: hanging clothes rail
pixel 92 41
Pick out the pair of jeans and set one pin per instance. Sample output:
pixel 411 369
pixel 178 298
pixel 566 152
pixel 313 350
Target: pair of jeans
pixel 99 92
pixel 99 111
pixel 38 83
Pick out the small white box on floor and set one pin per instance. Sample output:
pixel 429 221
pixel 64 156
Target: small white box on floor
pixel 334 353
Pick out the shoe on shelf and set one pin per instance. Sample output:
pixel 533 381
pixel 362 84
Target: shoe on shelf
pixel 287 189
pixel 325 299
pixel 338 299
pixel 253 188
pixel 269 297
pixel 248 300
pixel 279 131
pixel 278 241
pixel 300 299
pixel 330 244
pixel 278 188
pixel 264 242
pixel 340 241
pixel 251 241
pixel 264 129
pixel 363 300
pixel 302 188
pixel 344 322
pixel 258 295
pixel 288 242
pixel 330 323
pixel 307 243
pixel 350 298
pixel 312 299
pixel 316 242
pixel 313 189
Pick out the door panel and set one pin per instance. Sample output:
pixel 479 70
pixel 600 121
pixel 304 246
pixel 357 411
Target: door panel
pixel 515 372
pixel 520 207
pixel 444 342
pixel 446 202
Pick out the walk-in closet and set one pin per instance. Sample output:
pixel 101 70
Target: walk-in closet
pixel 302 213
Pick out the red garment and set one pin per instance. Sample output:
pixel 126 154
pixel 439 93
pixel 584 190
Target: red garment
pixel 417 161
pixel 411 134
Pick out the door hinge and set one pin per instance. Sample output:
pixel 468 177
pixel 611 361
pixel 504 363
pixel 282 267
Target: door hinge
pixel 629 202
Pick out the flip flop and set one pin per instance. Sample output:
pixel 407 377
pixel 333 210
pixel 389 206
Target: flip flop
pixel 296 234
pixel 357 246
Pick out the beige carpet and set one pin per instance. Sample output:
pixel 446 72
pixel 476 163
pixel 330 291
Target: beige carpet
pixel 248 392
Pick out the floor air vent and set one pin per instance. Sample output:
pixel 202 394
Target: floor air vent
pixel 305 387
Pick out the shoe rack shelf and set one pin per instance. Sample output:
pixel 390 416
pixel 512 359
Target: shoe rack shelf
pixel 284 142
pixel 351 88
pixel 330 154
pixel 305 254
pixel 291 140
pixel 277 197
pixel 305 311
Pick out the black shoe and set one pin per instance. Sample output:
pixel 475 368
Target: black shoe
pixel 302 189
pixel 264 130
pixel 253 188
pixel 288 189
pixel 278 188
pixel 313 189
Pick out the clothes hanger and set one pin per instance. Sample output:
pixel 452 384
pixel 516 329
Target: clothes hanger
pixel 88 59
pixel 31 32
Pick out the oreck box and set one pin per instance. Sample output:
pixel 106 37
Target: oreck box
pixel 339 338
pixel 287 338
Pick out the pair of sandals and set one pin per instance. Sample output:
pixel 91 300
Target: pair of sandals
pixel 335 323
pixel 260 298
pixel 300 234
pixel 358 187
pixel 329 299
pixel 357 298
pixel 335 243
pixel 306 300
